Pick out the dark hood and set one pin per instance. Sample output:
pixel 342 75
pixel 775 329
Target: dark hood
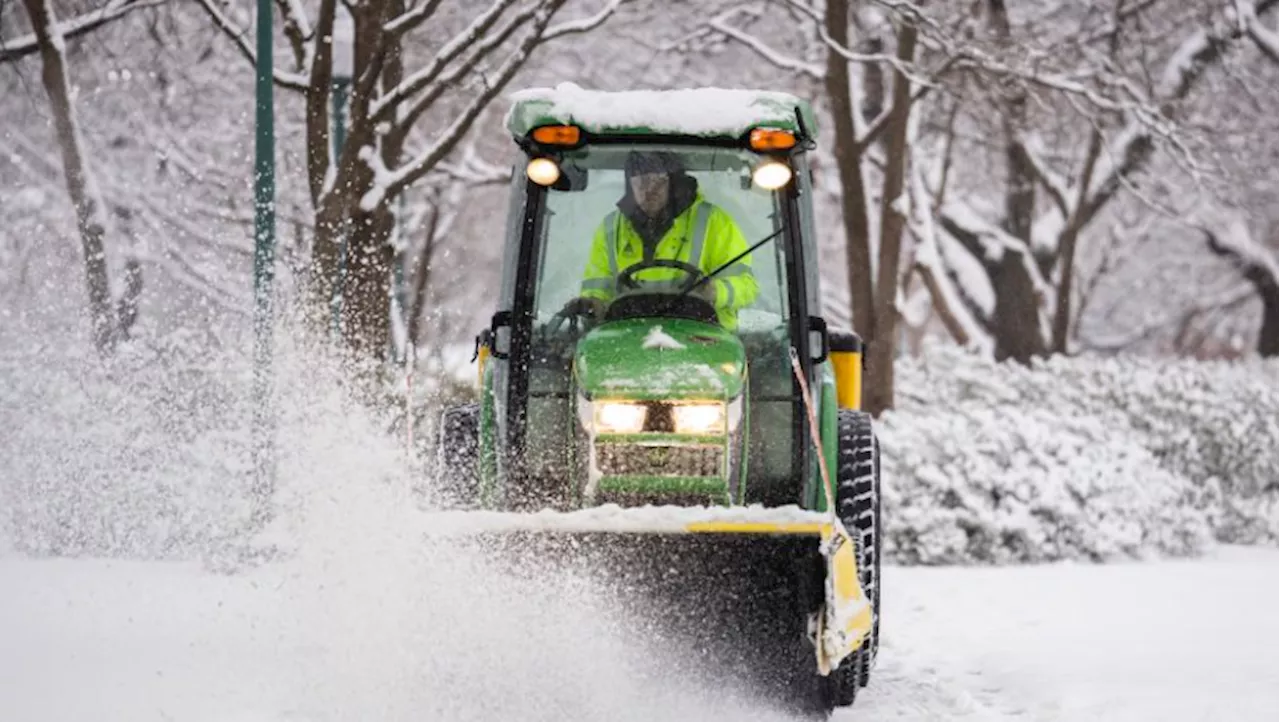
pixel 684 190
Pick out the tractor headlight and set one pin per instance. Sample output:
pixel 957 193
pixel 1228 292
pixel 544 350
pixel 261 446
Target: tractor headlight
pixel 699 418
pixel 613 417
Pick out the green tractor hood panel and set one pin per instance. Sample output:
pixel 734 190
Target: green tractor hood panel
pixel 665 358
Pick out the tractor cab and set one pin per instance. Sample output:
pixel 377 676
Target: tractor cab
pixel 657 390
pixel 642 358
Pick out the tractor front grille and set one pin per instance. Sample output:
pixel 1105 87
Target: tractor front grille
pixel 630 459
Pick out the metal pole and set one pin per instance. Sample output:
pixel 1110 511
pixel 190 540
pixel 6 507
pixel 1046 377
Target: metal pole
pixel 342 70
pixel 264 222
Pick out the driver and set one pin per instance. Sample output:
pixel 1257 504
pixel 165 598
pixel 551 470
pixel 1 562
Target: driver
pixel 664 216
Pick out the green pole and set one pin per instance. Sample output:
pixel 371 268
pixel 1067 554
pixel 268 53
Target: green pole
pixel 264 223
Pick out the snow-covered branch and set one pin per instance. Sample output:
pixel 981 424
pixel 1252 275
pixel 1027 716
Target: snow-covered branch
pixel 383 108
pixel 239 36
pixel 908 69
pixel 1055 185
pixel 389 182
pixel 473 170
pixel 721 25
pixel 1255 264
pixel 1263 37
pixel 456 74
pixel 1131 147
pixel 984 240
pixel 582 25
pixel 298 31
pixel 930 265
pixel 411 19
pixel 24 45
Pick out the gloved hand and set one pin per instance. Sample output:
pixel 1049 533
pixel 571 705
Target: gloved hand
pixel 584 306
pixel 706 291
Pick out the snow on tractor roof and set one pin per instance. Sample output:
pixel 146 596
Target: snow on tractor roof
pixel 704 112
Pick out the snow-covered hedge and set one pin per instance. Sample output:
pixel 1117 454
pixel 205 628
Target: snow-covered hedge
pixel 147 455
pixel 1076 458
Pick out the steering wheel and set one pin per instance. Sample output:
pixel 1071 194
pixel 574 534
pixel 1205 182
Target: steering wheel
pixel 577 319
pixel 628 282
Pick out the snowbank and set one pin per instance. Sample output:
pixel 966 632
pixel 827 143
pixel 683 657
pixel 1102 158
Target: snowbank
pixel 1076 458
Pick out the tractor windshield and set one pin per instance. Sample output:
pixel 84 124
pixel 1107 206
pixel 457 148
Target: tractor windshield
pixel 645 219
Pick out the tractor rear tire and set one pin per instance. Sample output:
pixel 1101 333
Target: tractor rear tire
pixel 858 506
pixel 458 456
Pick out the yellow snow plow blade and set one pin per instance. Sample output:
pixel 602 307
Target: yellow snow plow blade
pixel 713 543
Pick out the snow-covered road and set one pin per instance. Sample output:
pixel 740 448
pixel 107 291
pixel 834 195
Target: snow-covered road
pixel 346 636
pixel 1179 640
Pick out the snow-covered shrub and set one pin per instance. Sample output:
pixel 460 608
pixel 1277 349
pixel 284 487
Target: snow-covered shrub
pixel 1077 457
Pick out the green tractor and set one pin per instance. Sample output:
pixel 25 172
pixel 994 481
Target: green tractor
pixel 657 386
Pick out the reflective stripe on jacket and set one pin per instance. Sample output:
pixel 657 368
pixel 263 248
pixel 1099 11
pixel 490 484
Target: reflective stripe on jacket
pixel 703 236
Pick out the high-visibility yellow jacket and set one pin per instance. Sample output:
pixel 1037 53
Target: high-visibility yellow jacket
pixel 703 235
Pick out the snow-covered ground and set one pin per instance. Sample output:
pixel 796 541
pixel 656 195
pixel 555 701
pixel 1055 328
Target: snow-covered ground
pixel 407 634
pixel 1173 640
pixel 363 617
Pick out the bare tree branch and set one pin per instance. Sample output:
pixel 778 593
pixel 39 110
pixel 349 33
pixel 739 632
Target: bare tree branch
pixel 877 126
pixel 383 108
pixel 25 45
pixel 298 31
pixel 411 19
pixel 391 182
pixel 1263 37
pixel 1052 183
pixel 582 25
pixel 721 25
pixel 1256 265
pixel 928 260
pixel 451 79
pixel 293 81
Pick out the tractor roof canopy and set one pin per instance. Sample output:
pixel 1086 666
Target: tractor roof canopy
pixel 699 112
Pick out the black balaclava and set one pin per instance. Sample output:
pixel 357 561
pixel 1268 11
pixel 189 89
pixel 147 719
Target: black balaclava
pixel 681 192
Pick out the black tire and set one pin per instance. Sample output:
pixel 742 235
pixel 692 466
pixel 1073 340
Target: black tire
pixel 857 481
pixel 458 456
pixel 858 505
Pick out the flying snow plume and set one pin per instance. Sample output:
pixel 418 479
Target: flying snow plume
pixel 347 611
pixel 407 626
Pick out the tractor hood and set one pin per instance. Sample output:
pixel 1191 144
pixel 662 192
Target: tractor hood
pixel 664 358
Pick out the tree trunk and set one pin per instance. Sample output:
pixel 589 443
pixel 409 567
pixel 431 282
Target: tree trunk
pixel 883 348
pixel 1016 321
pixel 326 254
pixel 84 194
pixel 1020 188
pixel 853 194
